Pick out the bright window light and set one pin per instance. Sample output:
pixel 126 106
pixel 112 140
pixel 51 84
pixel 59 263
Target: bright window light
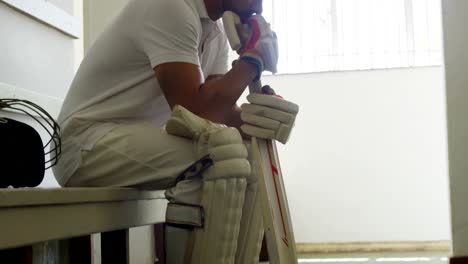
pixel 414 259
pixel 339 35
pixel 333 260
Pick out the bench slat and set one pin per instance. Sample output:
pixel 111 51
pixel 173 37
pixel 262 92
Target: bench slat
pixel 25 225
pixel 55 196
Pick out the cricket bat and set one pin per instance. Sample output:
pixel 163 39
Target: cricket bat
pixel 276 217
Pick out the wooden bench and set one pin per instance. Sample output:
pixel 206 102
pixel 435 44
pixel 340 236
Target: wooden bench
pixel 75 225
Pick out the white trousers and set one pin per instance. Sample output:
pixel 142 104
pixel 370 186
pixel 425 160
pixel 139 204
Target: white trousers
pixel 134 155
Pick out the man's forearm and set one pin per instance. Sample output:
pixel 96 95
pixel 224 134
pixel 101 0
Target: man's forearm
pixel 217 97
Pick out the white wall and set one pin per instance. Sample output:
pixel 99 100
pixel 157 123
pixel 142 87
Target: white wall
pixel 34 56
pixel 456 71
pixel 367 160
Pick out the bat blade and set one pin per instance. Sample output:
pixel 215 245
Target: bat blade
pixel 276 217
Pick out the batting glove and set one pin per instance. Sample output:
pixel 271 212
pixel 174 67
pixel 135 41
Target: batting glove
pixel 262 46
pixel 268 116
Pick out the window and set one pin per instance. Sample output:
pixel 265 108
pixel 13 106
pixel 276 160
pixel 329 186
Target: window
pixel 338 35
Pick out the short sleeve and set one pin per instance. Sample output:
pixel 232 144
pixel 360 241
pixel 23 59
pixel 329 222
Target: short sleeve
pixel 221 63
pixel 170 32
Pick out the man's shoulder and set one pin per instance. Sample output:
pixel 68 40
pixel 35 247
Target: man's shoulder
pixel 168 12
pixel 171 7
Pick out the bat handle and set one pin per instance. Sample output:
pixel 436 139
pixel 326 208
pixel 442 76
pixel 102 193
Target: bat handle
pixel 255 87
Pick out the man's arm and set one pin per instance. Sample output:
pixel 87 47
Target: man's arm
pixel 233 119
pixel 215 99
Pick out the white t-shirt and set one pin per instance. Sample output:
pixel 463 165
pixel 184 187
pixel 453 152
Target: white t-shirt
pixel 116 82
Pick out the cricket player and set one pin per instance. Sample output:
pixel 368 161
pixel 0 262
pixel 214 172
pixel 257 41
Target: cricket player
pixel 153 106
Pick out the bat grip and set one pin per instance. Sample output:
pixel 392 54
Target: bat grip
pixel 255 87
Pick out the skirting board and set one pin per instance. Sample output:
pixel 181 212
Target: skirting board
pixel 362 247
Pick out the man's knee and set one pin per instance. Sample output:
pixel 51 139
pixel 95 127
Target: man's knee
pixel 224 156
pixel 229 155
pixel 220 150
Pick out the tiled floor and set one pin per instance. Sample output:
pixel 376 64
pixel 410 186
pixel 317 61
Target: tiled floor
pixel 377 258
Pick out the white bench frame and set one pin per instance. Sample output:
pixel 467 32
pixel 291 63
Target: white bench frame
pixel 31 216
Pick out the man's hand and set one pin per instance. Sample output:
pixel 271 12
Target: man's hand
pixel 268 116
pixel 261 48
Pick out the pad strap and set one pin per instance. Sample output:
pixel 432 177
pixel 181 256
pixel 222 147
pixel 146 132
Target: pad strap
pixel 196 169
pixel 185 216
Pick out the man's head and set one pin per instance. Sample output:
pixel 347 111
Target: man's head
pixel 244 8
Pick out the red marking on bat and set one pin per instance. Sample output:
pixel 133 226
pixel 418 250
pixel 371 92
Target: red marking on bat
pixel 285 240
pixel 274 169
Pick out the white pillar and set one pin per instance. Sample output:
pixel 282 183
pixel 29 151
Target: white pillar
pixel 455 25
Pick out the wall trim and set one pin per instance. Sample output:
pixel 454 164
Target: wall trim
pixel 49 14
pixel 51 104
pixel 364 247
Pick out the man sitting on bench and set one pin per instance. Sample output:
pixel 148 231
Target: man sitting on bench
pixel 163 55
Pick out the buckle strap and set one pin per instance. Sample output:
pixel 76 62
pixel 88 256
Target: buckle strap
pixel 196 169
pixel 185 215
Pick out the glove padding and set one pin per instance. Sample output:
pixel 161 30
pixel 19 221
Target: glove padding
pixel 262 46
pixel 268 117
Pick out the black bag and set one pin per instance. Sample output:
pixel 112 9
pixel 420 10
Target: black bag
pixel 22 152
pixel 23 161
